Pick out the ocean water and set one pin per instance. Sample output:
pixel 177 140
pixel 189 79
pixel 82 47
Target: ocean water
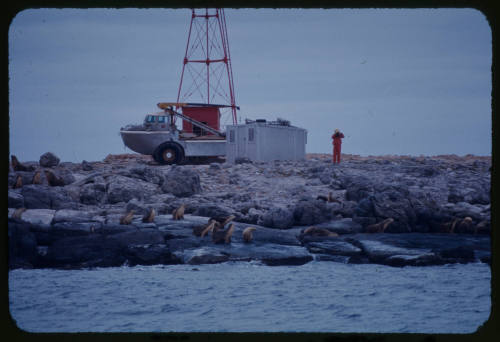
pixel 249 297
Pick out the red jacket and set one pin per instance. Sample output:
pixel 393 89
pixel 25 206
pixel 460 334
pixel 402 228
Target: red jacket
pixel 337 139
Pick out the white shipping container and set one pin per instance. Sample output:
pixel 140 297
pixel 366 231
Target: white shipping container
pixel 260 141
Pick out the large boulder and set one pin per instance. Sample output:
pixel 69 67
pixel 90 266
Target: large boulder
pixel 49 159
pixel 22 245
pixel 182 182
pixel 92 193
pixel 123 189
pixel 307 212
pixel 147 174
pixel 277 218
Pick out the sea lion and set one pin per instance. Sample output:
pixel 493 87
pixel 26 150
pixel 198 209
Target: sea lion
pixel 52 179
pixel 127 219
pixel 149 216
pixel 19 182
pixel 178 214
pixel 449 227
pixel 18 212
pixel 247 234
pixel 17 166
pixel 37 178
pixel 221 235
pixel 465 225
pixel 222 220
pixel 209 228
pixel 379 227
pixel 314 231
pixel 198 230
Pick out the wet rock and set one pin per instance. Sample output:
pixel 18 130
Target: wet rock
pixel 49 160
pixel 16 200
pixel 212 210
pixel 182 182
pixel 424 259
pixel 460 253
pixel 333 247
pixel 205 255
pixel 151 254
pixel 147 174
pixel 22 245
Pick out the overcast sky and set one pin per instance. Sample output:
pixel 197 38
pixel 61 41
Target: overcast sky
pixel 406 82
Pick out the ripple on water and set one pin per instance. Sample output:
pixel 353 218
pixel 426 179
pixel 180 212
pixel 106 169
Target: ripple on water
pixel 318 296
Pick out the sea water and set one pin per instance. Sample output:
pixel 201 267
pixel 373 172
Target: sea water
pixel 247 297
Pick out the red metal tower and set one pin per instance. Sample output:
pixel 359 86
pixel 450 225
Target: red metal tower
pixel 207 75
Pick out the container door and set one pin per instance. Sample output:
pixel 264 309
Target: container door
pixel 242 142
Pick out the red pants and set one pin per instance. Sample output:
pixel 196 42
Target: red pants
pixel 336 153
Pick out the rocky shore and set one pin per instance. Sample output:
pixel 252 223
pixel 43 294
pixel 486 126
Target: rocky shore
pixel 432 211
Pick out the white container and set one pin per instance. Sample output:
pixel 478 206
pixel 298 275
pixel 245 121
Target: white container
pixel 263 142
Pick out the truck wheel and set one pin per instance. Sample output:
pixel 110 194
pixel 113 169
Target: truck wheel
pixel 168 153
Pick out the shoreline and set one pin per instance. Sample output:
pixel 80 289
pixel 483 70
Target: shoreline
pixel 425 210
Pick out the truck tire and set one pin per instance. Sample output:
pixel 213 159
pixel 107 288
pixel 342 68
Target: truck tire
pixel 168 153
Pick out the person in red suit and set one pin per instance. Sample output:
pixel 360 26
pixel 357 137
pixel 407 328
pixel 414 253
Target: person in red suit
pixel 337 143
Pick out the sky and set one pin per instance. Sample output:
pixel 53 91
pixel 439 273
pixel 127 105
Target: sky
pixel 394 81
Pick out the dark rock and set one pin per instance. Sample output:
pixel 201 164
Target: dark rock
pixel 148 174
pixel 242 161
pixel 139 207
pixel 37 197
pixel 333 246
pixel 49 160
pixel 205 255
pixel 342 226
pixel 182 182
pixel 152 254
pixel 22 244
pixel 425 259
pixel 123 189
pixel 212 210
pixel 461 253
pixel 92 193
pixel 86 166
pixel 277 218
pixel 311 212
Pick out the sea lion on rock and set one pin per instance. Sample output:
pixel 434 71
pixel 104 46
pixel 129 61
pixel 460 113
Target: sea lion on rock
pixel 379 227
pixel 37 178
pixel 149 216
pixel 221 235
pixel 209 228
pixel 247 234
pixel 328 198
pixel 199 230
pixel 221 221
pixel 127 219
pixel 314 231
pixel 449 227
pixel 17 166
pixel 465 226
pixel 178 214
pixel 52 179
pixel 18 212
pixel 19 183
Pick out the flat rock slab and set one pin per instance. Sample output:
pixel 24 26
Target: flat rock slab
pixel 42 217
pixel 69 215
pixel 334 247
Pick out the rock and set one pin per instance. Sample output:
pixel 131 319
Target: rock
pixel 212 210
pixel 92 193
pixel 147 174
pixel 460 253
pixel 342 226
pixel 424 259
pixel 65 175
pixel 242 160
pixel 123 189
pixel 22 245
pixel 277 218
pixel 311 212
pixel 86 166
pixel 151 254
pixel 16 200
pixel 49 160
pixel 215 166
pixel 333 247
pixel 41 217
pixel 182 182
pixel 205 255
pixel 74 216
pixel 139 207
pixel 36 197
